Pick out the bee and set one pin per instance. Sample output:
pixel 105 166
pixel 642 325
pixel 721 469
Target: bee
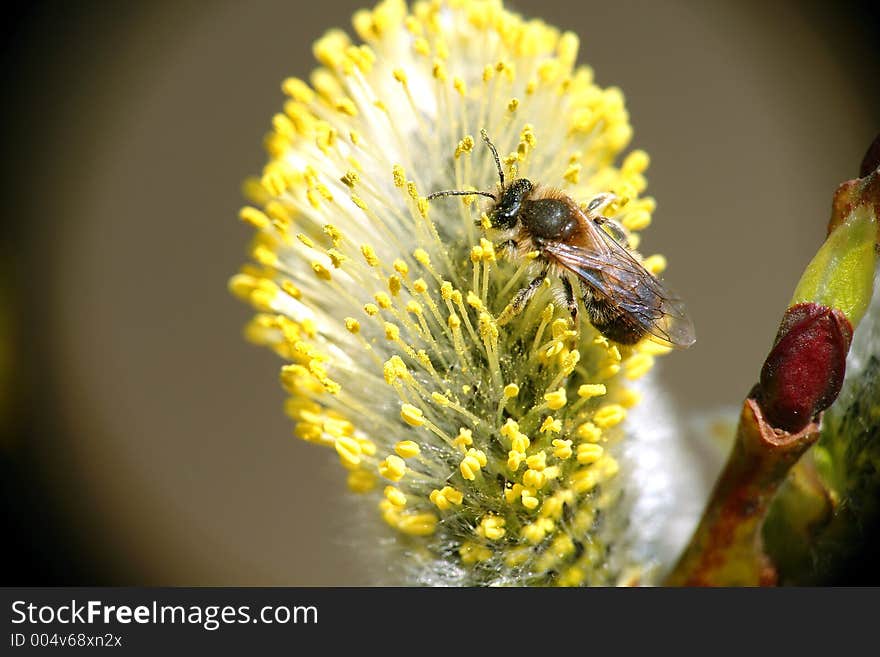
pixel 586 252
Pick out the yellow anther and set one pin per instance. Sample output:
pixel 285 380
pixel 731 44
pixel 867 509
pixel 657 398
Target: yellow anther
pixel 472 462
pixel 395 496
pixel 551 424
pixel 414 307
pixel 439 500
pixel 534 532
pixel 608 466
pixel 421 47
pixel 420 286
pixel 446 497
pixel 512 105
pixel 516 557
pixel 399 175
pixel 487 327
pixel 422 257
pixel 394 369
pixel 654 348
pixel 479 455
pixel 392 332
pixel 298 90
pixel 265 256
pixel 339 428
pixel 287 286
pixel 534 479
pixel 368 447
pixel 321 271
pixel 352 325
pixel 361 481
pixel 638 365
pixel 529 500
pixel 476 255
pixel 584 480
pixel 453 495
pixel 589 453
pixel 559 328
pixel 350 178
pixel 417 524
pixel 394 285
pixel 513 493
pixel 510 428
pixel 569 361
pixel 655 264
pixel 412 415
pixel 407 449
pixel 492 527
pixel 463 440
pixel 554 349
pixel 608 371
pixel 488 250
pixel 589 432
pixel 537 461
pixel 636 162
pixel 400 75
pixel 562 448
pixel 459 85
pixel 349 451
pixel 628 397
pixel 330 48
pixel 590 390
pixel 333 233
pixel 511 390
pixel 568 48
pixel 254 217
pixel 472 553
pixel 371 309
pixel 636 220
pixel 466 145
pixel 424 359
pixel 553 506
pixel 393 468
pixel 440 400
pixel 401 267
pixel 369 255
pixel 613 354
pixel 609 415
pixel 515 459
pixel 573 173
pixel 520 442
pixel 556 399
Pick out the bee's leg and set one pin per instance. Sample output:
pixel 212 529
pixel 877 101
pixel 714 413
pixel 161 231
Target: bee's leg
pixel 521 298
pixel 587 299
pixel 570 301
pixel 617 231
pixel 506 244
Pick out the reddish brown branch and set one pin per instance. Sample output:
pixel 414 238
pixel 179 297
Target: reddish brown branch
pixel 726 547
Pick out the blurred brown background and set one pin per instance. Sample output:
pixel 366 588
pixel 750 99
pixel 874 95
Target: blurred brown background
pixel 144 441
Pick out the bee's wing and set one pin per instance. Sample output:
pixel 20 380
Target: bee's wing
pixel 607 267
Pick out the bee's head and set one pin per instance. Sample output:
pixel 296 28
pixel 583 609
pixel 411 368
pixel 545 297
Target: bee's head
pixel 504 213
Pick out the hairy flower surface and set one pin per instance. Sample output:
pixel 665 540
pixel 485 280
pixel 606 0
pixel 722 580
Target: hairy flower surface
pixel 490 442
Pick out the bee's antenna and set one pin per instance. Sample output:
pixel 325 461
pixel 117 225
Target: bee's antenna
pixel 459 192
pixel 492 148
